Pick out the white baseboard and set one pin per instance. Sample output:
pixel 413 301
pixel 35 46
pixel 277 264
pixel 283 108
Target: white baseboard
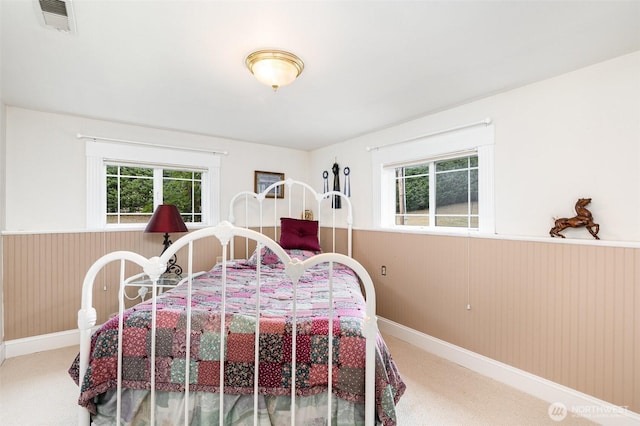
pixel 558 396
pixel 43 342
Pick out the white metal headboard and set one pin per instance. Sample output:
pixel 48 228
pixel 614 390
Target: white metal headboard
pixel 298 197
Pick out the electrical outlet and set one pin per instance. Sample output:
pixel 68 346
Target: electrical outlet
pixel 383 270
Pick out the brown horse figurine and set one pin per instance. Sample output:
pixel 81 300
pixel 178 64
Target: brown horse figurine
pixel 583 218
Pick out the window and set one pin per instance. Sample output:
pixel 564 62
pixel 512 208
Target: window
pixel 131 190
pixel 438 193
pixel 184 189
pixel 122 190
pixel 442 182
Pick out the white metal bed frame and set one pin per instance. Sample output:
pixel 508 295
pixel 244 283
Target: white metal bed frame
pixel 226 232
pixel 309 198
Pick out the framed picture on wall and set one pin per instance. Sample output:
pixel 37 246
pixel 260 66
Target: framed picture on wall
pixel 262 180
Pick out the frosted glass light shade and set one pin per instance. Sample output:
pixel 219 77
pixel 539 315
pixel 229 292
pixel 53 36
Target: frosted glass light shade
pixel 275 68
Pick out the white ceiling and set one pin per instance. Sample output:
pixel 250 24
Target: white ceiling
pixel 368 64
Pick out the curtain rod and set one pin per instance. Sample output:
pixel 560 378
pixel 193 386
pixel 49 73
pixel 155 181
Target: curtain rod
pixel 212 151
pixel 486 122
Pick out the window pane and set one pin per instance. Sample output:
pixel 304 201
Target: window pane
pixel 473 176
pixel 184 189
pixel 197 198
pixel 452 221
pixel 136 171
pixel 474 222
pixel 453 164
pixel 421 169
pixel 180 194
pixel 129 194
pixel 112 194
pixel 177 174
pixel 452 192
pixel 413 220
pixel 128 218
pixel 412 195
pixel 136 195
pixel 177 192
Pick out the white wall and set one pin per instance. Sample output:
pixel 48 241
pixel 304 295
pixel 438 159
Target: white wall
pixel 572 136
pixel 2 202
pixel 2 215
pixel 575 135
pixel 46 165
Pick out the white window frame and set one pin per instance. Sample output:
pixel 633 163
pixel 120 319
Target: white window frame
pixel 99 153
pixel 475 140
pixel 158 181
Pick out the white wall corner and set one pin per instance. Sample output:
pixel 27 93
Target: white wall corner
pixel 587 406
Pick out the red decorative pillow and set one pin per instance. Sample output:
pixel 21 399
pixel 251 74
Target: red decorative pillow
pixel 299 234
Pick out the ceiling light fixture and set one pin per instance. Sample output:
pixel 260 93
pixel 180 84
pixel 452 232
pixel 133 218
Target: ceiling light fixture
pixel 275 68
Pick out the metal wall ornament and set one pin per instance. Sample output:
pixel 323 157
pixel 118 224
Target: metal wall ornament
pixel 347 182
pixel 335 201
pixel 583 217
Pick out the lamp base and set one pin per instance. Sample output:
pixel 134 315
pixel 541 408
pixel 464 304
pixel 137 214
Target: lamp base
pixel 172 265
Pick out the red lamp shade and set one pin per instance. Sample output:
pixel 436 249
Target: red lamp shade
pixel 166 218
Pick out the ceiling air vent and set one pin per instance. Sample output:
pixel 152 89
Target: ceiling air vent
pixel 57 14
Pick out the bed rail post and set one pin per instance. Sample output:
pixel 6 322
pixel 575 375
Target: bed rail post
pixel 86 321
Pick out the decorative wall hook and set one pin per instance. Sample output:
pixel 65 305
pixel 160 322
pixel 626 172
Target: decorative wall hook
pixel 335 200
pixel 336 203
pixel 347 182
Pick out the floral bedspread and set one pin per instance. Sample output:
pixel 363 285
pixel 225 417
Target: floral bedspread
pixel 275 340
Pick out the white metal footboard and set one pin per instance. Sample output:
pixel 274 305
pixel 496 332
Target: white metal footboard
pixel 225 232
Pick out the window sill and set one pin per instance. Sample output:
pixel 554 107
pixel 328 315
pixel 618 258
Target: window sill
pixel 454 232
pixel 530 238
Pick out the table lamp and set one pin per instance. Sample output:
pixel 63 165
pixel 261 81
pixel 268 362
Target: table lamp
pixel 166 218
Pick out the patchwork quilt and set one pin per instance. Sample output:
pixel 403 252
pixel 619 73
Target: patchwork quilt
pixel 275 299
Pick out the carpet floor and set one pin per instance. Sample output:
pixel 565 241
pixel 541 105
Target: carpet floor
pixel 35 390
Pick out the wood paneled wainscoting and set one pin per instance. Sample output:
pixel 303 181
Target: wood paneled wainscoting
pixel 43 275
pixel 565 311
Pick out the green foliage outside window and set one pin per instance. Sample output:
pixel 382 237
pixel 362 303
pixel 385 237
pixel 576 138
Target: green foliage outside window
pixel 455 183
pixel 130 192
pixel 453 187
pixel 184 189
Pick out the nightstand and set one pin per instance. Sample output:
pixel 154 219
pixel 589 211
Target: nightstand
pixel 144 284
